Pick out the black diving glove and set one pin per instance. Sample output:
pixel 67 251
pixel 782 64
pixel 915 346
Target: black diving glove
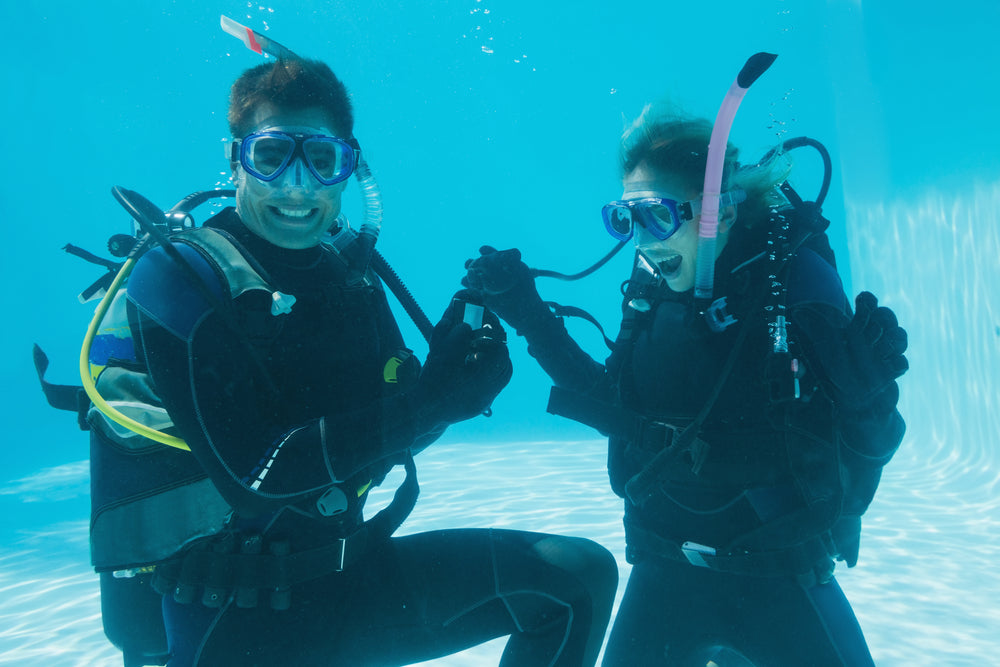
pixel 465 368
pixel 860 362
pixel 507 287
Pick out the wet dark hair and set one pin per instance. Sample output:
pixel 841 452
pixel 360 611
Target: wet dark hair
pixel 672 146
pixel 668 142
pixel 292 84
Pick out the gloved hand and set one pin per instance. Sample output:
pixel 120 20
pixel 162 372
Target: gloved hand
pixel 859 363
pixel 506 287
pixel 465 369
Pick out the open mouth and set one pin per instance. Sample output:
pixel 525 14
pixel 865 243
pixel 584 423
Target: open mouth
pixel 669 265
pixel 292 214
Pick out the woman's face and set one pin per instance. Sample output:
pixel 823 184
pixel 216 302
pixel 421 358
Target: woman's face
pixel 673 257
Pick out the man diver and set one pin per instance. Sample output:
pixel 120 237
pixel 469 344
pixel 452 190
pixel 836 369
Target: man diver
pixel 747 433
pixel 278 362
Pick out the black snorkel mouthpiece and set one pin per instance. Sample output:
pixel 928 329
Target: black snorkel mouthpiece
pixel 755 65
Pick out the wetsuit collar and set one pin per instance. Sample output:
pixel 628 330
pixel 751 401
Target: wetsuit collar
pixel 262 250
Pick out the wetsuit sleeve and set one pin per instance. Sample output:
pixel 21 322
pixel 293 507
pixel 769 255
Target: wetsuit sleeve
pixel 868 437
pixel 216 387
pixel 560 356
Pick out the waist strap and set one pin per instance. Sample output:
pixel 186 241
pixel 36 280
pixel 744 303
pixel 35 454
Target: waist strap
pixel 810 563
pixel 239 566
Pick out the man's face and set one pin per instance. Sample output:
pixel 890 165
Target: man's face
pixel 294 210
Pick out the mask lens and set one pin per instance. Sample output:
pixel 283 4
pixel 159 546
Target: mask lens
pixel 331 160
pixel 661 219
pixel 618 221
pixel 265 156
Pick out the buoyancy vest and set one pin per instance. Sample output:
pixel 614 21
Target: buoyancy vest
pixel 781 462
pixel 147 499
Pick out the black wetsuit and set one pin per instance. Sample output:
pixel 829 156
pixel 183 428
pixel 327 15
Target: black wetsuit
pixel 297 404
pixel 778 489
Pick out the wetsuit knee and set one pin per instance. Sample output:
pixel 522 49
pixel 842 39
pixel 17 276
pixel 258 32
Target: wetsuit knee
pixel 595 570
pixel 559 592
pixel 590 563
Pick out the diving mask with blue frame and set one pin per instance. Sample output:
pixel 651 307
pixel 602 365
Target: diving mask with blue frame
pixel 660 216
pixel 267 154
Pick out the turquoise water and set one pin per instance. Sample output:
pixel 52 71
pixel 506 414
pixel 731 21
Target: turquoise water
pixel 497 122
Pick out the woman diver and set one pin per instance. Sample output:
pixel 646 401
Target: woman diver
pixel 748 422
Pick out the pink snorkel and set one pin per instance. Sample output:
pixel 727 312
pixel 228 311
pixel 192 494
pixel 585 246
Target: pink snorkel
pixel 708 227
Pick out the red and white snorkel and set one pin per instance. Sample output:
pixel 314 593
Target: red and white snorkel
pixel 255 41
pixel 708 226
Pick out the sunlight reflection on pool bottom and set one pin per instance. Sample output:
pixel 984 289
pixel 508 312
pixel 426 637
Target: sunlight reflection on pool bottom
pixel 925 589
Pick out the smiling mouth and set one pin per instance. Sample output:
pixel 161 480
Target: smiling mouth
pixel 294 214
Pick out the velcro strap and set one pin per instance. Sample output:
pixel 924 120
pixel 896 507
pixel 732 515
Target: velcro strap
pixel 61 396
pixel 606 418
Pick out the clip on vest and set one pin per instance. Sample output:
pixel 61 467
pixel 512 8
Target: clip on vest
pixel 717 318
pixel 281 304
